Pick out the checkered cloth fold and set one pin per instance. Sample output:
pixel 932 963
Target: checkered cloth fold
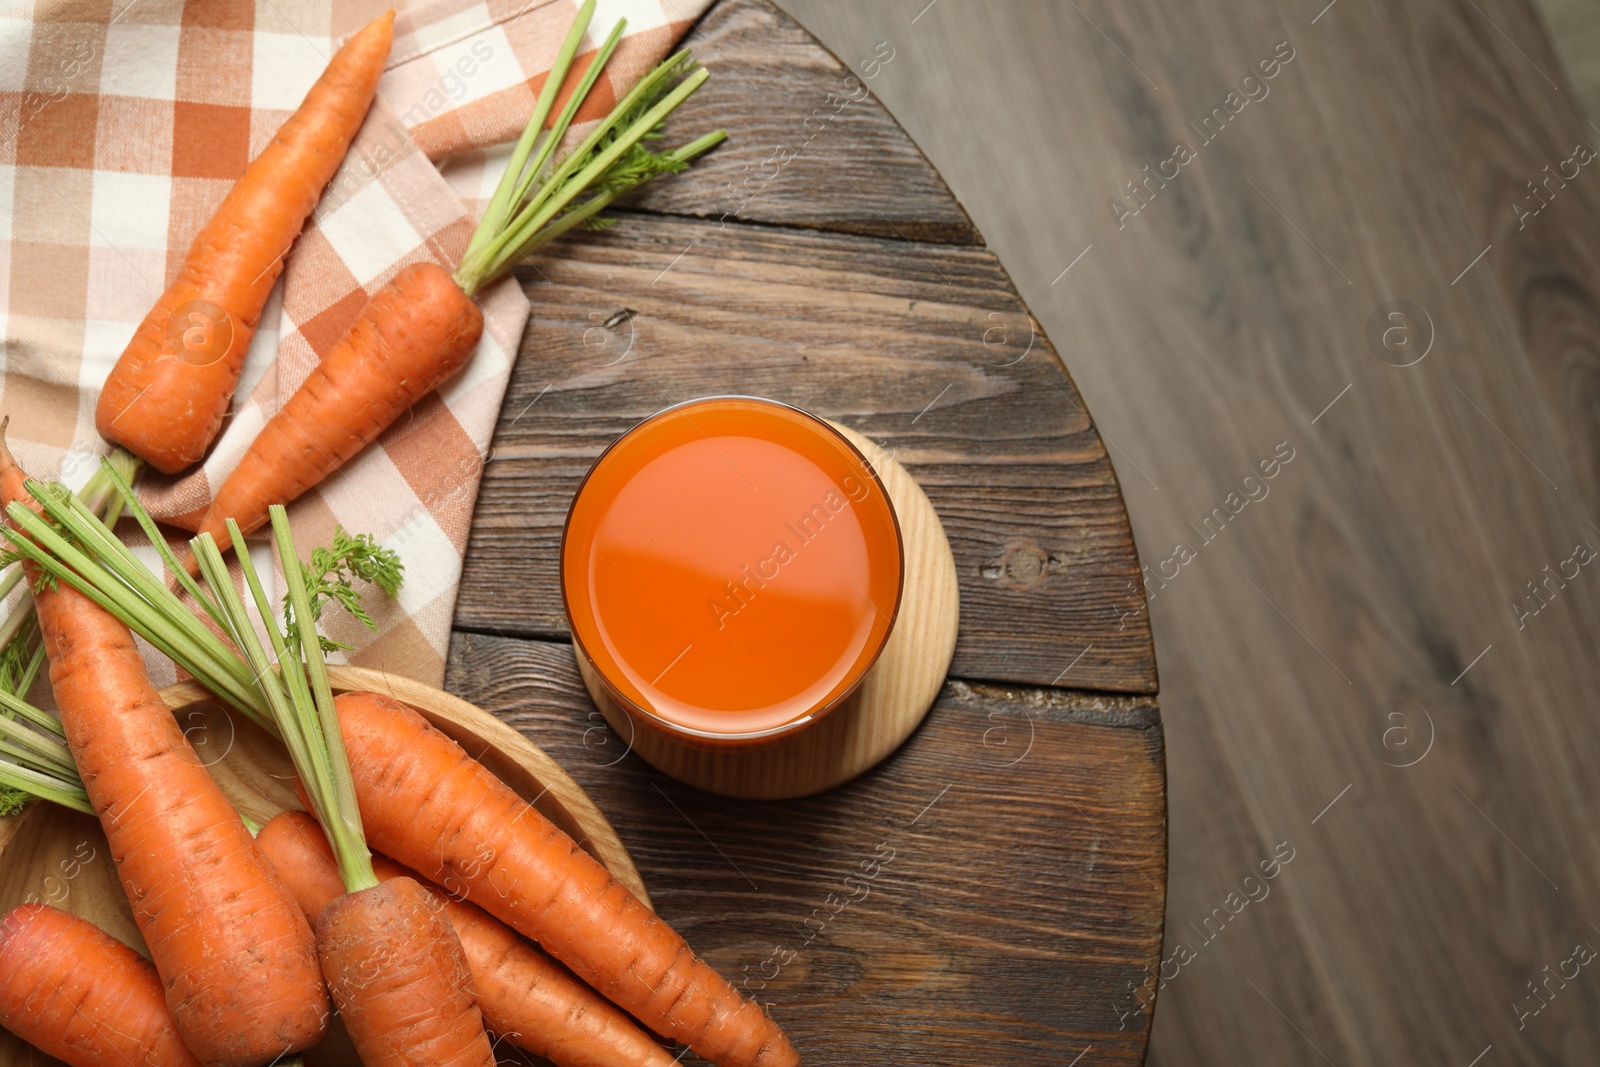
pixel 122 125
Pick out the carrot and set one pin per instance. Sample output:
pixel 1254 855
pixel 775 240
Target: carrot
pixel 165 398
pixel 531 1001
pixel 425 801
pixel 428 804
pixel 80 995
pixel 234 951
pixel 397 973
pixel 422 327
pixel 413 334
pixel 394 966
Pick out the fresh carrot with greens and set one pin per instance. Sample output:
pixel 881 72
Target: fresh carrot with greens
pixel 393 964
pixel 165 398
pixel 21 651
pixel 413 335
pixel 422 800
pixel 525 997
pixel 76 993
pixel 423 326
pixel 35 760
pixel 234 952
pixel 431 806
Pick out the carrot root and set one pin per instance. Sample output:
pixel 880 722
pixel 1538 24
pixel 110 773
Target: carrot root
pixel 527 998
pixel 397 973
pixel 165 399
pixel 428 804
pixel 77 993
pixel 414 334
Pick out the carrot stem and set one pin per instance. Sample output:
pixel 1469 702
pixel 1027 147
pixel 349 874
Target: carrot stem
pixel 595 157
pixel 71 543
pixel 315 751
pixel 344 806
pixel 269 684
pixel 119 580
pixel 15 706
pixel 609 162
pixel 178 634
pixel 558 132
pixel 604 199
pixel 148 525
pixel 67 561
pixel 510 190
pixel 46 754
pixel 44 786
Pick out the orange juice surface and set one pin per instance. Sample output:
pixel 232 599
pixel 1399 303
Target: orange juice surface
pixel 731 565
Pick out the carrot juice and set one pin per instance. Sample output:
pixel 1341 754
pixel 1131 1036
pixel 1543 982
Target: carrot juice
pixel 731 568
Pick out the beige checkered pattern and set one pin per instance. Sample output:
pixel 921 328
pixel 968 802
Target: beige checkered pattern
pixel 122 125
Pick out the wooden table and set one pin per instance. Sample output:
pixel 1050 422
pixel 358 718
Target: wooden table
pixel 994 892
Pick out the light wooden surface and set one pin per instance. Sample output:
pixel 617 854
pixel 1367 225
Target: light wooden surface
pixel 60 857
pixel 1026 815
pixel 874 720
pixel 1388 555
pixel 1574 30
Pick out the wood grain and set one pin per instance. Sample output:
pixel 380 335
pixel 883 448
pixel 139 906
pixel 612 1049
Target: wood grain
pixel 935 359
pixel 1019 856
pixel 809 145
pixel 995 889
pixel 874 720
pixel 1210 327
pixel 1021 938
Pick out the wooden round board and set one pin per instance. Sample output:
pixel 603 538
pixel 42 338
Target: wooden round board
pixel 893 698
pixel 59 856
pixel 816 258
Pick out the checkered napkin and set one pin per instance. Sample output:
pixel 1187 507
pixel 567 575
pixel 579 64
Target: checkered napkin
pixel 123 123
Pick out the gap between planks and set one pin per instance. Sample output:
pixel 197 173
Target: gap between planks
pixel 1116 704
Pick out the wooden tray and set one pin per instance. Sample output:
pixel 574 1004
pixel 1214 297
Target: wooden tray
pixel 60 857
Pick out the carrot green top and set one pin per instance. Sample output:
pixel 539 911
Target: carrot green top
pixel 70 543
pixel 531 206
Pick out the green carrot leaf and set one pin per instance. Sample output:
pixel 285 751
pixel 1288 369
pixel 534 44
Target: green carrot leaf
pixel 333 572
pixel 531 209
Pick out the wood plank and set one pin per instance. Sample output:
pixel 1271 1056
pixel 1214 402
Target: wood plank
pixel 1397 144
pixel 808 144
pixel 936 359
pixel 1054 795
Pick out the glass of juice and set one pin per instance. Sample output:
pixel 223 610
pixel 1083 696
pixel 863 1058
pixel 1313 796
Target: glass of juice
pixel 731 569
